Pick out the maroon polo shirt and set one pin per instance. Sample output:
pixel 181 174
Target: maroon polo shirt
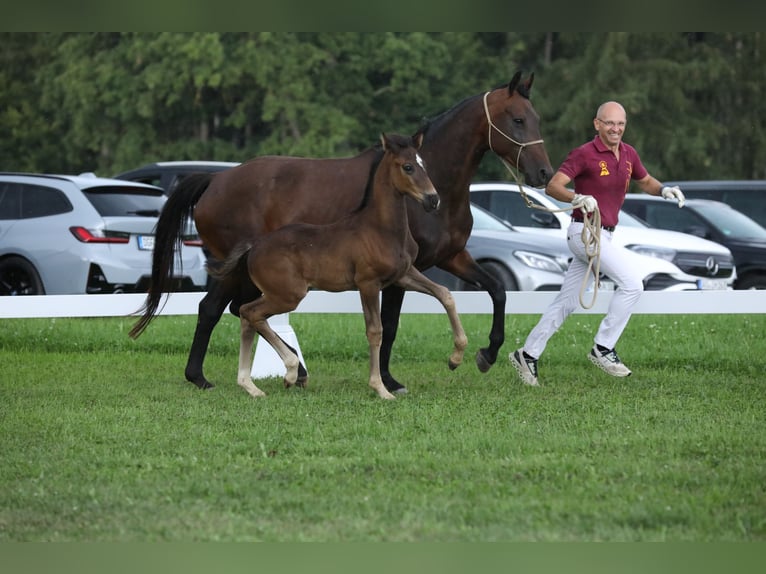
pixel 596 171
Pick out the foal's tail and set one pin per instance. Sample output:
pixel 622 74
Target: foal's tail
pixel 238 255
pixel 173 220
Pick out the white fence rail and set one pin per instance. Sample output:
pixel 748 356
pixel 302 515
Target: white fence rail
pixel 518 303
pixel 267 363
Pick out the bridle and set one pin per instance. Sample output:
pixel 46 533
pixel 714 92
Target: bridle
pixel 591 232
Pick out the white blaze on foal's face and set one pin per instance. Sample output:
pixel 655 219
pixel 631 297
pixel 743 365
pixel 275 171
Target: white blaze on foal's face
pixel 420 161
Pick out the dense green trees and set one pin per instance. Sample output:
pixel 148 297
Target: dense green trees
pixel 106 102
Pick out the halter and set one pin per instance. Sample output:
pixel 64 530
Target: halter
pixel 591 231
pixel 506 136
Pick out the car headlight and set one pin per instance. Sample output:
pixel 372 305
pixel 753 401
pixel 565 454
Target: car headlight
pixel 542 262
pixel 665 253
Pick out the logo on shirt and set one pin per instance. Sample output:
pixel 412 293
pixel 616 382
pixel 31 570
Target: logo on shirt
pixel 604 169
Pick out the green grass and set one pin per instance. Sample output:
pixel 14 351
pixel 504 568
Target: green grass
pixel 103 440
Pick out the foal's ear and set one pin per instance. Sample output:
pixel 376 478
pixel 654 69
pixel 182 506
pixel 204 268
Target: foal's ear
pixel 417 140
pixel 384 141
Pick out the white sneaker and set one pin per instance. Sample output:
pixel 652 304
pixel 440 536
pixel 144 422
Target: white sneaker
pixel 609 362
pixel 527 368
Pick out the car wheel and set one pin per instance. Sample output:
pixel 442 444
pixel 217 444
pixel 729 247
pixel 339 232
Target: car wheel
pixel 755 281
pixel 19 277
pixel 497 270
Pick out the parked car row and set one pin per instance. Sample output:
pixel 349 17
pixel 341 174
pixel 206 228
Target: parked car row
pixel 62 234
pixel 671 261
pixel 109 250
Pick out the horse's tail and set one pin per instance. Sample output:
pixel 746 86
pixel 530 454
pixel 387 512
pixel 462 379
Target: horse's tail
pixel 168 237
pixel 220 269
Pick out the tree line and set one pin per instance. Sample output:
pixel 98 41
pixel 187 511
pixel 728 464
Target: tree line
pixel 108 102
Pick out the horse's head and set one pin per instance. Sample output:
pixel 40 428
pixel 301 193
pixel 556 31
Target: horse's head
pixel 407 170
pixel 513 128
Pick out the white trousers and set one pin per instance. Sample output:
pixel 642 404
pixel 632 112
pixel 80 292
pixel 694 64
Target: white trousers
pixel 616 263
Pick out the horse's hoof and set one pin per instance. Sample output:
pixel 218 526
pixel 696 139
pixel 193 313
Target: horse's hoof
pixel 393 386
pixel 203 385
pixel 302 381
pixel 453 365
pixel 400 391
pixel 481 361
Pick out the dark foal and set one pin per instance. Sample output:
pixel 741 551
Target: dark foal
pixel 365 251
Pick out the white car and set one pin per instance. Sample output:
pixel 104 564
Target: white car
pixel 672 261
pixel 63 234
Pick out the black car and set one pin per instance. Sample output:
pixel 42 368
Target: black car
pixel 168 174
pixel 714 220
pixel 747 196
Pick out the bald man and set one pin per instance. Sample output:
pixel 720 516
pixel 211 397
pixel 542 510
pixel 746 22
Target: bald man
pixel 601 170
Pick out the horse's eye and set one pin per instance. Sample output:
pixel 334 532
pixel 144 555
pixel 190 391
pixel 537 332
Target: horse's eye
pixel 518 121
pixel 407 167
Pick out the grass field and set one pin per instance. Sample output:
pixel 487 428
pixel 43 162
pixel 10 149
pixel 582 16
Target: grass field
pixel 103 440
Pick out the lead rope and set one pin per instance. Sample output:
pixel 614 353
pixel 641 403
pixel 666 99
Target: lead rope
pixel 591 229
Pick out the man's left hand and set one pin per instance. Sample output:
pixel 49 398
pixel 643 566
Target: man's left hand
pixel 674 193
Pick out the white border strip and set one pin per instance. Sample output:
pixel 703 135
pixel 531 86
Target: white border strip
pixel 518 303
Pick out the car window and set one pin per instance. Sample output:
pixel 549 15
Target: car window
pixel 151 179
pixel 658 215
pixel 113 201
pixel 732 223
pixel 514 209
pixel 748 201
pixel 630 220
pixel 509 206
pixel 485 221
pixel 24 201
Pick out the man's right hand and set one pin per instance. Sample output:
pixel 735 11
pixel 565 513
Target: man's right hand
pixel 587 203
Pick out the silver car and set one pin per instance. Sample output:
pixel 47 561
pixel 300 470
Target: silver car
pixel 62 234
pixel 522 261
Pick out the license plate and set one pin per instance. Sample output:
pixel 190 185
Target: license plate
pixel 712 284
pixel 146 242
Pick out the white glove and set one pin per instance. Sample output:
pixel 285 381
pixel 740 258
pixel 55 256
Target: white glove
pixel 587 203
pixel 674 193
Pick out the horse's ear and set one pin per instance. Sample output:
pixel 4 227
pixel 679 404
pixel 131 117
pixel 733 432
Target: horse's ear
pixel 529 81
pixel 514 82
pixel 417 140
pixel 384 141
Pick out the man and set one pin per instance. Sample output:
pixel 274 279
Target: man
pixel 601 171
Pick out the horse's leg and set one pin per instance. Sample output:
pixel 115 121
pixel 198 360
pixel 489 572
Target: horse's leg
pixel 209 312
pixel 249 292
pixel 247 336
pixel 464 266
pixel 253 317
pixel 414 280
pixel 303 376
pixel 393 297
pixel 374 330
pixel 286 353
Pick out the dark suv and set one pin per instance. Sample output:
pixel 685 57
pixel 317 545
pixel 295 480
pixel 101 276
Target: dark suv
pixel 168 174
pixel 747 196
pixel 712 220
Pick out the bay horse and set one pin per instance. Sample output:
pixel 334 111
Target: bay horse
pixel 365 251
pixel 269 192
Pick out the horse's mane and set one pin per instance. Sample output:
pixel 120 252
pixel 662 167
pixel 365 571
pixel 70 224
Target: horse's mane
pixel 370 177
pixel 397 140
pixel 427 123
pixel 521 88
